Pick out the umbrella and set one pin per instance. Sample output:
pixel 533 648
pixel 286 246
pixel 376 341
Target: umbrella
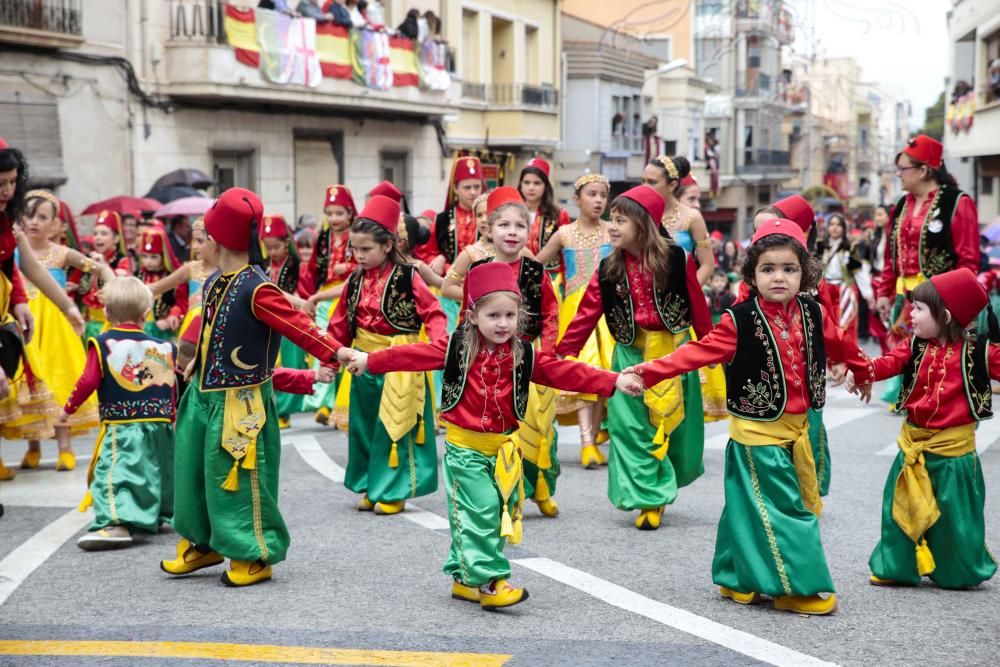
pixel 169 194
pixel 124 205
pixel 190 206
pixel 194 178
pixel 992 232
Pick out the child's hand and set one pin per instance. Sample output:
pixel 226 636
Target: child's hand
pixel 359 365
pixel 345 355
pixel 75 320
pixel 837 374
pixel 63 417
pixel 4 385
pixel 340 268
pixel 630 383
pixel 325 374
pixel 862 391
pixel 189 370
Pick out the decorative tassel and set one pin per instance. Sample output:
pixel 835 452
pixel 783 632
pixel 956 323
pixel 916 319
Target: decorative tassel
pixel 660 436
pixel 516 537
pixel 506 525
pixel 661 439
pixel 393 457
pixel 925 559
pixel 88 501
pixel 232 483
pixel 544 458
pixel 250 460
pixel 421 433
pixel 542 491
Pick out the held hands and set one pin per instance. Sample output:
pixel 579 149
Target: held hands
pixel 630 383
pixel 883 307
pixel 836 374
pixel 63 417
pixel 862 391
pixel 437 265
pixel 324 374
pixel 345 355
pixel 359 365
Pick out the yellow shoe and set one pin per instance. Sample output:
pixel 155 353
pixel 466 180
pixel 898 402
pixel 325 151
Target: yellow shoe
pixel 66 461
pixel 807 604
pixel 591 457
pixel 6 474
pixel 284 422
pixel 739 598
pixel 190 559
pixel 602 437
pixel 501 594
pixel 548 507
pixel 460 591
pixel 323 416
pixel 879 581
pixel 31 459
pixel 390 508
pixel 364 505
pixel 246 573
pixel 649 519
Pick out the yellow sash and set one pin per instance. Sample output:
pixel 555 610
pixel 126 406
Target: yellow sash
pixel 914 507
pixel 906 284
pixel 507 471
pixel 787 431
pixel 6 288
pixel 243 418
pixel 403 393
pixel 533 433
pixel 665 400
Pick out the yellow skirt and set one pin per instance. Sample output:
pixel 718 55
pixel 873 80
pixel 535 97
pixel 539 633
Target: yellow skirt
pixel 597 352
pixel 29 412
pixel 713 391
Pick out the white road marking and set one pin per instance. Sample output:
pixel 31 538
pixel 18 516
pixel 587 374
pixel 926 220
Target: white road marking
pixel 605 591
pixel 832 420
pixel 679 619
pixel 28 557
pixel 987 434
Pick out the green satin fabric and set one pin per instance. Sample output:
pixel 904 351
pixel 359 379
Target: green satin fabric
pixel 92 329
pixel 550 475
pixel 476 554
pixel 820 444
pixel 892 386
pixel 368 447
pixel 245 524
pixel 767 541
pixel 292 356
pixel 133 477
pixel 325 395
pixel 156 332
pixel 637 480
pixel 957 540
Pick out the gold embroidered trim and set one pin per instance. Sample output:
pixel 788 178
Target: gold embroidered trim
pixel 772 541
pixel 413 465
pixel 111 470
pixel 258 528
pixel 456 534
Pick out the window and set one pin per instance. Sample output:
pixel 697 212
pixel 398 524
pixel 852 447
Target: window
pixel 470 46
pixel 987 186
pixel 531 55
pixel 234 169
pixel 708 55
pixel 709 8
pixel 992 88
pixel 394 168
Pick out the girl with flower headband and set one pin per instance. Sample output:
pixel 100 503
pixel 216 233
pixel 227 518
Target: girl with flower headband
pixel 109 249
pixel 583 244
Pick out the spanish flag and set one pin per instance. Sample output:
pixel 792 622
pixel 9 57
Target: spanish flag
pixel 333 45
pixel 405 65
pixel 241 34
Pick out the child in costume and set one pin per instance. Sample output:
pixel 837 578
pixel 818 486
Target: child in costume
pixel 535 186
pixel 583 244
pixel 647 290
pixel 482 464
pixel 193 273
pixel 322 282
pixel 228 444
pixel 109 248
pixel 283 269
pixel 775 347
pixel 841 268
pixel 130 478
pixel 392 454
pixel 156 261
pixel 933 504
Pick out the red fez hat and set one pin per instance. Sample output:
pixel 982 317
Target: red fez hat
pixel 688 180
pixel 962 294
pixel 383 210
pixel 502 195
pixel 924 149
pixel 541 165
pixel 466 168
pixel 649 199
pixel 340 195
pixel 782 226
pixel 387 189
pixel 488 278
pixel 717 235
pixel 797 209
pixel 231 218
pixel 274 227
pixel 110 219
pixel 430 214
pixel 3 144
pixel 151 242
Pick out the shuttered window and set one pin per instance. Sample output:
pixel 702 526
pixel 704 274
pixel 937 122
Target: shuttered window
pixel 31 124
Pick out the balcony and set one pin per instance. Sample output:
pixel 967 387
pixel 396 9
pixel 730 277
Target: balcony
pixel 512 96
pixel 56 24
pixel 765 16
pixel 765 162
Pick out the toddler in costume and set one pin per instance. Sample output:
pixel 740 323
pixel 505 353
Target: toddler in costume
pixel 487 372
pixel 130 475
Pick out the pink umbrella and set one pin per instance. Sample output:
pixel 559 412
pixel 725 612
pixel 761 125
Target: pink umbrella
pixel 190 206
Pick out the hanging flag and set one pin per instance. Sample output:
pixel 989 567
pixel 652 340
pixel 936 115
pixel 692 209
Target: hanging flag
pixel 433 59
pixel 333 44
pixel 288 49
pixel 370 58
pixel 403 59
pixel 241 34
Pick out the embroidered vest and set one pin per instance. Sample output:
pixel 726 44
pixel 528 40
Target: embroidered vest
pixel 324 244
pixel 456 369
pixel 672 300
pixel 936 252
pixel 755 378
pixel 399 306
pixel 529 280
pixel 546 228
pixel 241 350
pixel 288 275
pixel 444 234
pixel 137 377
pixel 975 376
pixel 164 302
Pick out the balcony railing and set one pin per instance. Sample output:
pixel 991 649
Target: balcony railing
pixel 42 22
pixel 761 160
pixel 198 20
pixel 474 91
pixel 512 94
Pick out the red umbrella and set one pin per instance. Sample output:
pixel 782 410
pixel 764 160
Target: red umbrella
pixel 124 205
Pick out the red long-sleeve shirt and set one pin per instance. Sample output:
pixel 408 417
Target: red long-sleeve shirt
pixel 938 396
pixel 831 308
pixel 369 314
pixel 643 304
pixel 719 346
pixel 465 234
pixel 271 307
pixel 964 237
pixel 487 403
pixel 294 380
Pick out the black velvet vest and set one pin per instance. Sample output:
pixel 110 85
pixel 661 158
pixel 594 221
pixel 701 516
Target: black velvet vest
pixel 288 276
pixel 937 249
pixel 529 280
pixel 137 377
pixel 975 376
pixel 456 368
pixel 672 300
pixel 162 303
pixel 444 234
pixel 755 378
pixel 324 243
pixel 399 306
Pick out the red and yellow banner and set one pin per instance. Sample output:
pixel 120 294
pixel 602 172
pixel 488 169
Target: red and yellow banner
pixel 241 34
pixel 333 44
pixel 405 65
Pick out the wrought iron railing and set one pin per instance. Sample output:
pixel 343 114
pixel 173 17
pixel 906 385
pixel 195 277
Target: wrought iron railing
pixel 62 16
pixel 198 20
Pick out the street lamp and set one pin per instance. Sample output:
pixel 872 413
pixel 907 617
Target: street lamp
pixel 665 68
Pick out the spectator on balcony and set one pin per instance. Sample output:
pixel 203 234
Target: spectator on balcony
pixel 374 13
pixel 410 27
pixel 430 26
pixel 994 77
pixel 311 9
pixel 276 6
pixel 337 10
pixel 354 8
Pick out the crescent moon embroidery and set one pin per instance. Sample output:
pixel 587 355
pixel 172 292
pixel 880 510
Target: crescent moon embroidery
pixel 235 358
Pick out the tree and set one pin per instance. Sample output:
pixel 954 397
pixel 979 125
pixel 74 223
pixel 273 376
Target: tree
pixel 934 119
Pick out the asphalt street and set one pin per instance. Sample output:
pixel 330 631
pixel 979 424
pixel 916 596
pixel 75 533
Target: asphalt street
pixel 364 589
